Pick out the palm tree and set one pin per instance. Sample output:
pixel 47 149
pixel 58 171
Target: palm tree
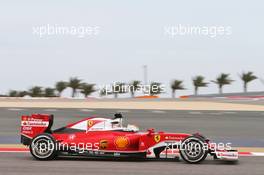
pixel 198 81
pixel 49 92
pixel 221 80
pixel 60 86
pixel 176 85
pixel 35 91
pixel 118 88
pixel 155 88
pixel 13 93
pixel 133 87
pixel 75 84
pixel 22 93
pixel 246 78
pixel 87 89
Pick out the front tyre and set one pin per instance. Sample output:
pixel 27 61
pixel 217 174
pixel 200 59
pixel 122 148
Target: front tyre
pixel 193 149
pixel 43 147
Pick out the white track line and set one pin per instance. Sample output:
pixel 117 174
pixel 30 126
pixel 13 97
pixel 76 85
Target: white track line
pixel 123 111
pixel 251 154
pixel 229 112
pixel 242 100
pixel 257 154
pixel 86 110
pixel 248 154
pixel 15 109
pixel 194 112
pixel 14 151
pixel 216 113
pixel 159 112
pixel 50 110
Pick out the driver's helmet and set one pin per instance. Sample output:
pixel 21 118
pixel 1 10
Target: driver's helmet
pixel 117 121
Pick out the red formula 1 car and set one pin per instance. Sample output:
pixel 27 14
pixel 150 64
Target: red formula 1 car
pixel 94 137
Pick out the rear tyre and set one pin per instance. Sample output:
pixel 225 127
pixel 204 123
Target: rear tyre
pixel 193 149
pixel 43 147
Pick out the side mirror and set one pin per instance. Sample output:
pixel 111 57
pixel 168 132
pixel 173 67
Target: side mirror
pixel 151 131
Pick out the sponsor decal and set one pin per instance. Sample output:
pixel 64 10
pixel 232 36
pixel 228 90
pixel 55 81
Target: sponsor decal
pixel 27 132
pixel 116 154
pixel 174 138
pixel 24 123
pixel 103 144
pixel 26 128
pixel 157 138
pixel 72 136
pixel 121 142
pixel 35 123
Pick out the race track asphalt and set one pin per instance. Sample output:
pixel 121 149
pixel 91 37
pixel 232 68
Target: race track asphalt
pixel 24 164
pixel 240 128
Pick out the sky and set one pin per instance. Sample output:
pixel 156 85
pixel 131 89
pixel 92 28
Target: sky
pixel 130 34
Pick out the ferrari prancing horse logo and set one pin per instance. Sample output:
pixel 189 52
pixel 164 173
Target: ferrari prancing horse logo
pixel 90 123
pixel 157 138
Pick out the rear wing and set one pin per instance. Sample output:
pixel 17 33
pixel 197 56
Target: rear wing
pixel 34 125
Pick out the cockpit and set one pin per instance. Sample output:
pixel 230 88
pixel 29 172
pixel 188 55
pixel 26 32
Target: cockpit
pixel 104 124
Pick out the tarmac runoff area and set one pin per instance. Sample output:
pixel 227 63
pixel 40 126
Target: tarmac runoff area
pixel 115 104
pixel 242 127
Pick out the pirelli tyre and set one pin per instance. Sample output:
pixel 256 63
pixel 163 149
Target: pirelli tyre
pixel 193 149
pixel 43 147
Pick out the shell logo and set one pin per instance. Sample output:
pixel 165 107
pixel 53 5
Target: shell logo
pixel 121 142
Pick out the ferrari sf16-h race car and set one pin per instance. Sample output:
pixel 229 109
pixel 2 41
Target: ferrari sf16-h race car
pixel 95 137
